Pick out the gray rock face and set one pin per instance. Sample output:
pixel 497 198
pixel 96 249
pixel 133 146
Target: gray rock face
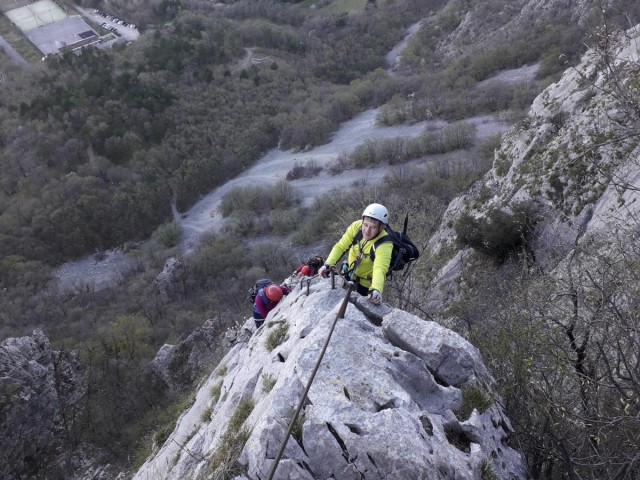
pixel 169 276
pixel 36 384
pixel 389 400
pixel 180 364
pixel 535 166
pixel 499 22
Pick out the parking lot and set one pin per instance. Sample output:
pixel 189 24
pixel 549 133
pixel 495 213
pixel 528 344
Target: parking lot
pixel 125 29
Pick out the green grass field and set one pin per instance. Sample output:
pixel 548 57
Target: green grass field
pixel 18 41
pixel 337 6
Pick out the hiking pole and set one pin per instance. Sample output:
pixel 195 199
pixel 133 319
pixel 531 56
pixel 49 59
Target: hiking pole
pixel 294 418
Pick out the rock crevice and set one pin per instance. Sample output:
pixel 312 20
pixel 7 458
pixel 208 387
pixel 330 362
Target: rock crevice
pixel 382 405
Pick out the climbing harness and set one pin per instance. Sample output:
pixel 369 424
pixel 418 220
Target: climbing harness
pixel 294 418
pixel 348 270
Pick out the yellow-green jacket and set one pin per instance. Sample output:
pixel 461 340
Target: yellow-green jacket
pixel 370 274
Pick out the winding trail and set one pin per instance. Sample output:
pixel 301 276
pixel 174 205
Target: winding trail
pixel 275 165
pixel 204 217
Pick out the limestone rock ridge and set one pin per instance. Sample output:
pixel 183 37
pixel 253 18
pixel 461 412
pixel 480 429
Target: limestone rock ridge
pixel 395 396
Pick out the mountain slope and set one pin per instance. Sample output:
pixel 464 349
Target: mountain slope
pixel 540 268
pixel 573 159
pixel 391 400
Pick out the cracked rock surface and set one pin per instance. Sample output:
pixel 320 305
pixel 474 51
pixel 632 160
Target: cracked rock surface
pixel 386 401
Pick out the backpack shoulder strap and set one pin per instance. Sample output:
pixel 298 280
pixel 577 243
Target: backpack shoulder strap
pixel 357 238
pixel 380 241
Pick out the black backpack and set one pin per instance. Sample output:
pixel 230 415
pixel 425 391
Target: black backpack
pixel 404 250
pixel 253 291
pixel 314 263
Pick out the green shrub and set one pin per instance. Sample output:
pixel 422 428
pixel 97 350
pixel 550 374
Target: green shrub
pixel 303 236
pixel 473 398
pixel 160 436
pixel 502 164
pixel 364 155
pixel 251 199
pixel 340 164
pixel 240 201
pixel 283 222
pixel 277 336
pixel 167 235
pixel 206 415
pixel 215 392
pixel 393 112
pixel 499 234
pixel 322 213
pixel 456 136
pixel 268 382
pixel 246 224
pixel 217 261
pixel 224 463
pixel 304 170
pixel 283 195
pixel 242 412
pixel 297 430
pixel 164 421
pixel 486 471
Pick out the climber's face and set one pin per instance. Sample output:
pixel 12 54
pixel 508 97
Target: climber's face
pixel 370 228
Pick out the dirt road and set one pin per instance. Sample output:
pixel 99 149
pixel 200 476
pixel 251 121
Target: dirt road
pixel 270 169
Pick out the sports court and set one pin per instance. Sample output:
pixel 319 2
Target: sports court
pixel 35 15
pixel 47 26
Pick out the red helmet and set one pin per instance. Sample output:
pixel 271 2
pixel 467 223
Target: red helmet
pixel 273 293
pixel 305 270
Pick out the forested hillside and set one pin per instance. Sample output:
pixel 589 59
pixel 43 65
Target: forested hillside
pixel 174 113
pixel 97 146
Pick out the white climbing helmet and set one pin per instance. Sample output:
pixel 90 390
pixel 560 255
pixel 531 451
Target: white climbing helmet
pixel 377 211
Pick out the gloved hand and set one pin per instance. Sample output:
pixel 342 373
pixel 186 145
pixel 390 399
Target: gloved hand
pixel 325 270
pixel 375 297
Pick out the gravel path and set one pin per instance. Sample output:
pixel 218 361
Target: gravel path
pixel 394 55
pixel 270 169
pixel 522 74
pixel 275 165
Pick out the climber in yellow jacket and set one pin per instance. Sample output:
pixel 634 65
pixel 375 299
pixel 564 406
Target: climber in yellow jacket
pixel 369 275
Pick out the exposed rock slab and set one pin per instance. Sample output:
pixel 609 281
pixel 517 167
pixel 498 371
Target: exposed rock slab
pixel 385 402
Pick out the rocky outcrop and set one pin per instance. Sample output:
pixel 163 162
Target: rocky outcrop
pixel 499 23
pixel 180 364
pixel 573 162
pixel 394 397
pixel 37 384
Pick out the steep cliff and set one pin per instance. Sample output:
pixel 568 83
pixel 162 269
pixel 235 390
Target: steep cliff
pixel 395 397
pixel 568 171
pixel 38 390
pixel 540 269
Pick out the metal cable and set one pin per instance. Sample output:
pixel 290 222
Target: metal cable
pixel 340 314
